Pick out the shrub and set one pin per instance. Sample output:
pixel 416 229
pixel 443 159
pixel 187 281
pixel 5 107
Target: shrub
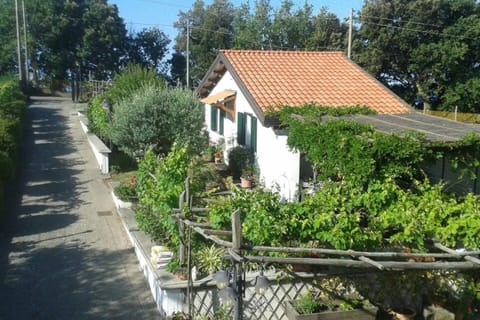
pixel 159 184
pixel 156 118
pixel 98 118
pixel 237 161
pixel 131 79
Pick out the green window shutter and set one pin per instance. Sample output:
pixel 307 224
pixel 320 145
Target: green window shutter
pixel 213 118
pixel 253 134
pixel 221 122
pixel 241 128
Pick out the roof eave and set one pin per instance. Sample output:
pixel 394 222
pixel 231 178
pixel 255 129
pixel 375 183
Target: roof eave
pixel 205 84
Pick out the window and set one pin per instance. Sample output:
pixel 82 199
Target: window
pixel 213 118
pixel 217 120
pixel 221 122
pixel 247 131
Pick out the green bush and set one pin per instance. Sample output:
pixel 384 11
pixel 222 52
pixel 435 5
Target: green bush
pixel 131 79
pixel 6 167
pixel 159 184
pixel 97 117
pixel 12 111
pixel 238 159
pixel 156 118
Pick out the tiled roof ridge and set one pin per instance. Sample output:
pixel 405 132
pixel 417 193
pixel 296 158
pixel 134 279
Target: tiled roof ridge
pixel 283 52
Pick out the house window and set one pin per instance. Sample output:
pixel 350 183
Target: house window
pixel 213 118
pixel 247 131
pixel 221 122
pixel 217 120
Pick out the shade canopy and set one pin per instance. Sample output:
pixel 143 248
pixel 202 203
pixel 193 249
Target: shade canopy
pixel 219 97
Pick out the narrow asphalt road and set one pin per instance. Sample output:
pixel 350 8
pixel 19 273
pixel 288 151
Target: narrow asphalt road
pixel 63 250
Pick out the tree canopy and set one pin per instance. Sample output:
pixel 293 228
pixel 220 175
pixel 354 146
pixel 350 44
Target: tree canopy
pixel 82 37
pixel 423 48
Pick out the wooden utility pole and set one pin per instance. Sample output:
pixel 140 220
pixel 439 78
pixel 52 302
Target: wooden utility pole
pixel 18 43
pixel 25 39
pixel 350 27
pixel 188 52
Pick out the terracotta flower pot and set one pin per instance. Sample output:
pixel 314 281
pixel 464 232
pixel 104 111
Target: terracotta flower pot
pixel 245 183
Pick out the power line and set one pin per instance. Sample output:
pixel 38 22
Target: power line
pixel 420 31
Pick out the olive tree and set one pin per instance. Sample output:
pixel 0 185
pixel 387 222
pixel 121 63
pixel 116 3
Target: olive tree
pixel 156 118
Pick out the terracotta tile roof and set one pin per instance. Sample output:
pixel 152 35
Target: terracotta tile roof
pixel 294 78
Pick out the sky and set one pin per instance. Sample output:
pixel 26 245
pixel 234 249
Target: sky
pixel 140 14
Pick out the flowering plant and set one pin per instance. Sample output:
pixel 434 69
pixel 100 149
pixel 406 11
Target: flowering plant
pixel 249 173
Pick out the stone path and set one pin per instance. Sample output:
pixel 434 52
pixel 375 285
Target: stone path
pixel 63 250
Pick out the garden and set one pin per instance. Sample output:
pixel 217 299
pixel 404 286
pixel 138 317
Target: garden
pixel 12 113
pixel 375 198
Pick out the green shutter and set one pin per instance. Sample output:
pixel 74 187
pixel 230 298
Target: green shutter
pixel 213 118
pixel 241 128
pixel 253 134
pixel 221 122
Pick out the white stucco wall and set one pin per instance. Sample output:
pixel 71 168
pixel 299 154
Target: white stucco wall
pixel 279 168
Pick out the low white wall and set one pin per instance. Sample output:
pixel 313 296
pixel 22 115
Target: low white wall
pixel 168 301
pixel 100 151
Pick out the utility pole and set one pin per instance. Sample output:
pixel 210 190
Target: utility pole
pixel 25 38
pixel 18 43
pixel 188 51
pixel 350 27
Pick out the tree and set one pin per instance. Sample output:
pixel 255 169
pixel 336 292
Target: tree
pixel 156 118
pixel 252 30
pixel 178 68
pixel 210 31
pixel 103 42
pixel 328 32
pixel 419 48
pixel 66 36
pixel 7 37
pixel 148 48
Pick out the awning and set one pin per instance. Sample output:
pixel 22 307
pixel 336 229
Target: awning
pixel 219 97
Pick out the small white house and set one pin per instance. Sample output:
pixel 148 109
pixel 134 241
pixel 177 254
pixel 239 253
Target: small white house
pixel 241 86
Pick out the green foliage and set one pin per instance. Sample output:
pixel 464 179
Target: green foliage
pixel 238 159
pixel 343 215
pixel 127 191
pixel 308 303
pixel 148 48
pixel 97 117
pixel 422 49
pixel 131 79
pixel 209 259
pixel 12 111
pixel 156 118
pixel 6 167
pixel 159 184
pixel 347 150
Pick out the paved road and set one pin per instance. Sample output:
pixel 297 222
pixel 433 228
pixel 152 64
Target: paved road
pixel 63 251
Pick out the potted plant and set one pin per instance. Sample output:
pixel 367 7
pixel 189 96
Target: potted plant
pixel 207 153
pixel 237 161
pixel 312 306
pixel 246 179
pixel 218 157
pixel 332 298
pixel 208 260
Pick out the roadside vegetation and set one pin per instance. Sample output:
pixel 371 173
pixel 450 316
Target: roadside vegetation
pixel 373 193
pixel 12 113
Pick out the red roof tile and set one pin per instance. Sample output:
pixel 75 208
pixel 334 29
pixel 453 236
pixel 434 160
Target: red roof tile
pixel 294 78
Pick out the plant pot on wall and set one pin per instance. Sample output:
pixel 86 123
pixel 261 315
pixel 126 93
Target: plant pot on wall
pixel 245 183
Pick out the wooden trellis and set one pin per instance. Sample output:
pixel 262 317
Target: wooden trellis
pixel 440 258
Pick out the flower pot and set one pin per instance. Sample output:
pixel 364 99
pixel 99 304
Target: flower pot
pixel 245 183
pixel 357 314
pixel 406 314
